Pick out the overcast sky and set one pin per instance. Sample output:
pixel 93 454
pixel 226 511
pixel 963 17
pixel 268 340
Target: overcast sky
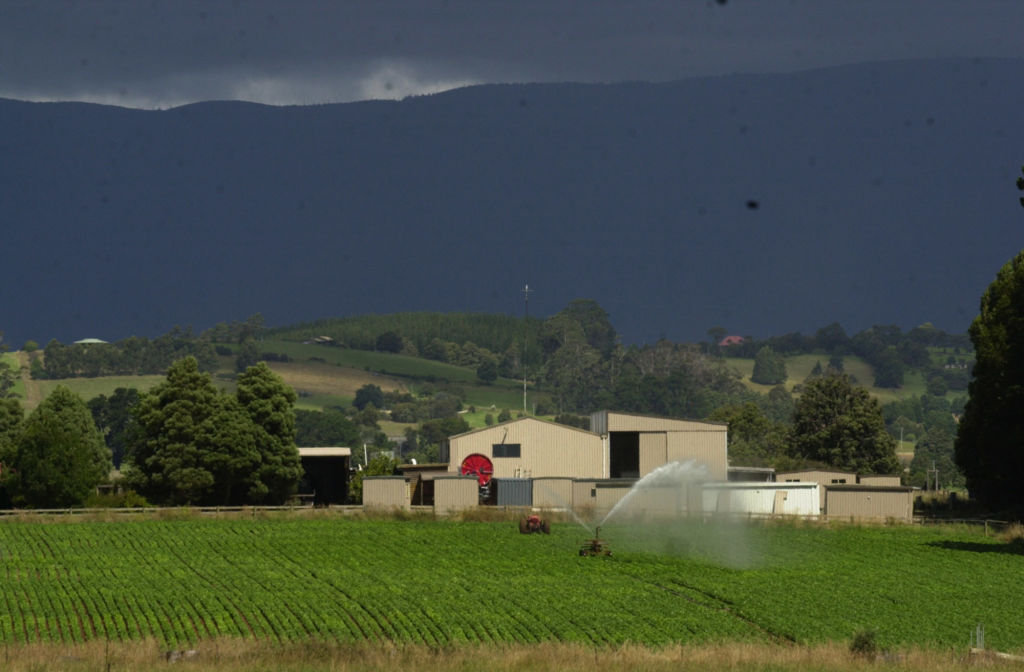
pixel 157 54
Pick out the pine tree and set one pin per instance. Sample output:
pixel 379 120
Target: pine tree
pixel 59 456
pixel 988 445
pixel 270 404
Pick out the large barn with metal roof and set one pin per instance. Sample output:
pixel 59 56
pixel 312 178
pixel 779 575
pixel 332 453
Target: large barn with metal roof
pixel 619 445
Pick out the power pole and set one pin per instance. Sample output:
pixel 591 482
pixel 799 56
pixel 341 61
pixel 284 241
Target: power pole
pixel 526 335
pixel 932 476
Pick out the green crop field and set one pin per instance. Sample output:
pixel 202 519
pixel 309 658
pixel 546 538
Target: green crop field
pixel 288 578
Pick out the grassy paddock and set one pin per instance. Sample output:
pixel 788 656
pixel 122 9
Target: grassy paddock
pixel 401 365
pixel 227 655
pixel 798 367
pixel 87 388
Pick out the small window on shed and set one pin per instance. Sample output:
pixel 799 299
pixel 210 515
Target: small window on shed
pixel 839 480
pixel 505 449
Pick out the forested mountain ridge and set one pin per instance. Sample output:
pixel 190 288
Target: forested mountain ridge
pixel 868 194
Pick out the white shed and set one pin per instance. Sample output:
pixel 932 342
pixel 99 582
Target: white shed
pixel 787 499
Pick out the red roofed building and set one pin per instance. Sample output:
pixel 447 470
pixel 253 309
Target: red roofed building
pixel 730 340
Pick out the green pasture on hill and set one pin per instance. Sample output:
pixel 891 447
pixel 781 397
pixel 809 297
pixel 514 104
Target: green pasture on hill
pixel 287 577
pixel 799 367
pixel 11 359
pixel 381 362
pixel 87 388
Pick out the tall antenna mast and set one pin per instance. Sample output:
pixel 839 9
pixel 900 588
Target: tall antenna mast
pixel 526 331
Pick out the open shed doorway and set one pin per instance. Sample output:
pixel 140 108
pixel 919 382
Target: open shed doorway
pixel 624 457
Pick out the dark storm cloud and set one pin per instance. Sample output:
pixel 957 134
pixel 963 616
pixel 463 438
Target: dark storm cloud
pixel 155 54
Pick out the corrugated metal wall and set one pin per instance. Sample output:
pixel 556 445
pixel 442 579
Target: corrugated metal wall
pixel 821 477
pixel 707 448
pixel 661 502
pixel 513 491
pixel 552 493
pixel 584 496
pixel 762 498
pixel 546 449
pixel 652 451
pixel 608 495
pixel 876 503
pixel 604 422
pixel 455 493
pixel 385 492
pixel 880 480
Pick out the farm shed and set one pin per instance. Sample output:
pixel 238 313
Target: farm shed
pixel 552 493
pixel 529 447
pixel 670 500
pixel 789 499
pixel 879 480
pixel 512 491
pixel 870 502
pixel 820 476
pixel 609 492
pixel 454 493
pixel 325 474
pixel 385 492
pixel 591 496
pixel 752 474
pixel 420 481
pixel 636 445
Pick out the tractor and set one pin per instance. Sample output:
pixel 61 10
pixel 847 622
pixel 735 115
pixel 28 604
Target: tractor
pixel 595 547
pixel 534 524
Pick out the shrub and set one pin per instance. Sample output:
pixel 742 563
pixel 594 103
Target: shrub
pixel 127 499
pixel 864 643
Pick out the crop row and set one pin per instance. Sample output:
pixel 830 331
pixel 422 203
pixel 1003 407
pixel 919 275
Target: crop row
pixel 445 582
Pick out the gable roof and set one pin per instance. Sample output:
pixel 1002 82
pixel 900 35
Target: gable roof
pixel 528 418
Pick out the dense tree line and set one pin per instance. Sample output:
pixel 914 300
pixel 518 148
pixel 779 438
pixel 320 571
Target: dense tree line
pixel 194 444
pixel 131 356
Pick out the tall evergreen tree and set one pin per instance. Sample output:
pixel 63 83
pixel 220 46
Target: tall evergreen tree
pixel 192 443
pixel 113 417
pixel 769 367
pixel 270 404
pixel 841 425
pixel 59 456
pixel 988 444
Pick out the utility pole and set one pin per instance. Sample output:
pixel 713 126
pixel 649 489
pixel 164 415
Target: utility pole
pixel 932 475
pixel 526 335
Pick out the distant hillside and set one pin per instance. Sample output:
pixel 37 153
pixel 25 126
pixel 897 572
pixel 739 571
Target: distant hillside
pixel 870 194
pixel 492 331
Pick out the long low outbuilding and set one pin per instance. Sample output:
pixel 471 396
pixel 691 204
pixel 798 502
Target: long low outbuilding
pixel 870 502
